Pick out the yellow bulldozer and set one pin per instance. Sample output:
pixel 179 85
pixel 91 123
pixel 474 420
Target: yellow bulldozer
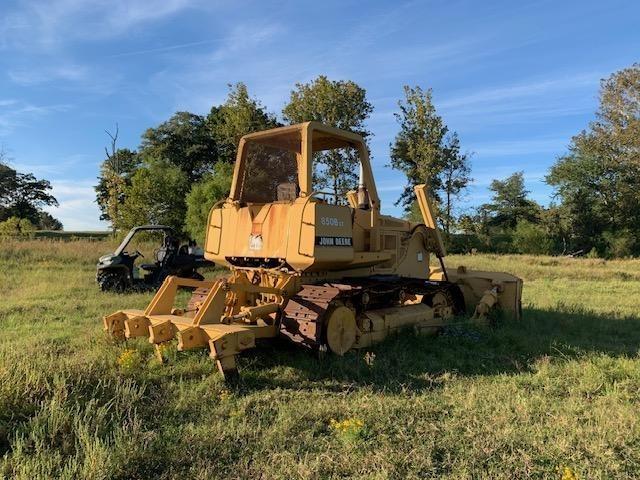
pixel 331 274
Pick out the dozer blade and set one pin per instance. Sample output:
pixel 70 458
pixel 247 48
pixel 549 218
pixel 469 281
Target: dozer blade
pixel 488 291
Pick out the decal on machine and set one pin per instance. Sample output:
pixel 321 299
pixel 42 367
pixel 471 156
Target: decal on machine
pixel 334 241
pixel 255 242
pixel 331 222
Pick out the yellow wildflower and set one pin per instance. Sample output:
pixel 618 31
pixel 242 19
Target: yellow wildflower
pixel 129 360
pixel 568 474
pixel 349 429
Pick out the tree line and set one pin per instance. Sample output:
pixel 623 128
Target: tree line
pixel 184 165
pixel 22 201
pixel 596 206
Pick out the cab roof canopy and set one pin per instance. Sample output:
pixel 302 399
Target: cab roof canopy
pixel 290 137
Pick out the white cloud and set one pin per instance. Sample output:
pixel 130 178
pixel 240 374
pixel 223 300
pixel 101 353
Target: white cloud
pixel 166 48
pixel 16 113
pixel 529 146
pixel 534 87
pixel 77 209
pixel 534 100
pixel 198 81
pixel 35 74
pixel 47 24
pixel 54 169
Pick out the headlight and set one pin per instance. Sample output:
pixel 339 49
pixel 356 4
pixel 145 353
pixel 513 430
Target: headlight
pixel 108 260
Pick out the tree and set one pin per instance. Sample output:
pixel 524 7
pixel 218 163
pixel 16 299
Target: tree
pixel 455 176
pixel 554 221
pixel 156 196
pixel 417 150
pixel 47 222
pixel 598 180
pixel 184 141
pixel 16 227
pixel 115 176
pixel 341 104
pixel 22 195
pixel 531 238
pixel 426 152
pixel 510 203
pixel 238 116
pixel 213 187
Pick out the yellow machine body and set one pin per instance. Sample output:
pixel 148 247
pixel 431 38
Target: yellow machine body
pixel 328 273
pixel 306 232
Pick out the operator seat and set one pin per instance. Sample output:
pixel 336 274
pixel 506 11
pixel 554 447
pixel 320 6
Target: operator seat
pixel 163 255
pixel 287 192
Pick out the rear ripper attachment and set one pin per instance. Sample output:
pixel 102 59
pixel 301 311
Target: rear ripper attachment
pixel 327 273
pixel 226 316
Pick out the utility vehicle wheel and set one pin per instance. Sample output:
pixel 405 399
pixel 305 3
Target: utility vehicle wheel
pixel 112 282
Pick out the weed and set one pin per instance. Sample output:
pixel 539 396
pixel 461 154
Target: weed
pixel 349 430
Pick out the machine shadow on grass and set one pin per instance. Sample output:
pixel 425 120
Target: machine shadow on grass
pixel 409 362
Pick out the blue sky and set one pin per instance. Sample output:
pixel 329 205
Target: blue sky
pixel 515 79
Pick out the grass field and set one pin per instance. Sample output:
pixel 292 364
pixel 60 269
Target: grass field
pixel 557 393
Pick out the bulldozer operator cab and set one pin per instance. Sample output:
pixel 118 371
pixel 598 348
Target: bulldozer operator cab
pixel 292 162
pixel 281 214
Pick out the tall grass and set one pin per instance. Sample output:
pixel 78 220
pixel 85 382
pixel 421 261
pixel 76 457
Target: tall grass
pixel 561 389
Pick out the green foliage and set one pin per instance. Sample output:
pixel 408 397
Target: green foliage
pixel 238 116
pixel 593 253
pixel 620 244
pixel 70 236
pixel 510 204
pixel 184 141
pixel 10 227
pixel 17 227
pixel 413 213
pixel 156 196
pixel 426 152
pixel 22 195
pixel 203 195
pixel 339 103
pixel 418 147
pixel 115 177
pixel 454 176
pixel 47 222
pixel 462 243
pixel 599 178
pixel 511 222
pixel 531 238
pixel 193 144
